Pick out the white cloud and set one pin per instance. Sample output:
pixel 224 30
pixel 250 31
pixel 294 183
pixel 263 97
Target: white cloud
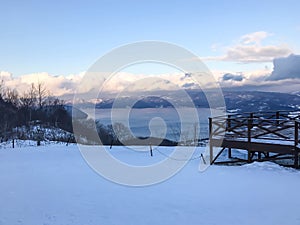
pixel 65 85
pixel 4 75
pixel 254 38
pixel 125 81
pixel 253 53
pixel 250 49
pixel 142 82
pixel 57 85
pixel 249 78
pixel 258 81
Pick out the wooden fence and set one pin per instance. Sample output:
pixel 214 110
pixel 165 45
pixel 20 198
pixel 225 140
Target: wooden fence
pixel 259 133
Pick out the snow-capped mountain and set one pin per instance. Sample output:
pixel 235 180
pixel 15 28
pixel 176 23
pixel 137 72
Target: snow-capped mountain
pixel 235 100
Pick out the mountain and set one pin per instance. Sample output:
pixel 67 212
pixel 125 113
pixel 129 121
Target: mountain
pixel 296 93
pixel 261 101
pixel 235 100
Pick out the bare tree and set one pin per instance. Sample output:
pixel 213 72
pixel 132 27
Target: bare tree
pixel 12 96
pixel 31 94
pixel 29 98
pixel 42 94
pixel 8 95
pixel 28 102
pixel 185 137
pixel 2 88
pixel 121 132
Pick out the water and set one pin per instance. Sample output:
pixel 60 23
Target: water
pixel 167 123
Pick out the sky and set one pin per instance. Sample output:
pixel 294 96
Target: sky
pixel 64 38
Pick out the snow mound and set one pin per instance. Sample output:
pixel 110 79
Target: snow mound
pixel 267 166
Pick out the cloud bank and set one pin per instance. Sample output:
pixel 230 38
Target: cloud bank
pixel 68 85
pixel 57 85
pixel 250 49
pixel 286 68
pixel 285 77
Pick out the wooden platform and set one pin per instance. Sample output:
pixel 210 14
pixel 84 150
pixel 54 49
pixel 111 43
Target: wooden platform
pixel 264 136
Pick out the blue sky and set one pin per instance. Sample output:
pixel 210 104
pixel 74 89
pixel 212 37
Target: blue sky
pixel 44 39
pixel 64 37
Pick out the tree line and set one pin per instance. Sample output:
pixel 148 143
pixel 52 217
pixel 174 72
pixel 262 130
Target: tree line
pixel 36 106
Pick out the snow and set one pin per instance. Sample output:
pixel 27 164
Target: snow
pixel 53 185
pixel 47 133
pixel 266 141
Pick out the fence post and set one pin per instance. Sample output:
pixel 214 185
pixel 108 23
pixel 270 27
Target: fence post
pixel 249 126
pixel 277 118
pixel 250 123
pixel 111 143
pixel 211 152
pixel 228 122
pixel 210 127
pixel 251 115
pixel 229 129
pixel 296 133
pixel 296 160
pixel 151 152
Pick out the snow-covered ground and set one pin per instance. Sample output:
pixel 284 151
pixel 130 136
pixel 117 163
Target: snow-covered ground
pixel 53 185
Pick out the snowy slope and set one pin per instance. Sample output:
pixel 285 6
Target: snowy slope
pixel 53 185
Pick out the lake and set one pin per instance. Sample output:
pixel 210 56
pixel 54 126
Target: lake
pixel 167 123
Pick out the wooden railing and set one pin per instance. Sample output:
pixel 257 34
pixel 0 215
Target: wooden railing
pixel 280 126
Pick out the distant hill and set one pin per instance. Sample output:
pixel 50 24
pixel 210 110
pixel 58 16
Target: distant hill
pixel 235 100
pixel 75 113
pixel 261 101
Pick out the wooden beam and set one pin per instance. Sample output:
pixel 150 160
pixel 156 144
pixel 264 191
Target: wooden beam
pixel 296 133
pixel 296 160
pixel 217 156
pixel 229 153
